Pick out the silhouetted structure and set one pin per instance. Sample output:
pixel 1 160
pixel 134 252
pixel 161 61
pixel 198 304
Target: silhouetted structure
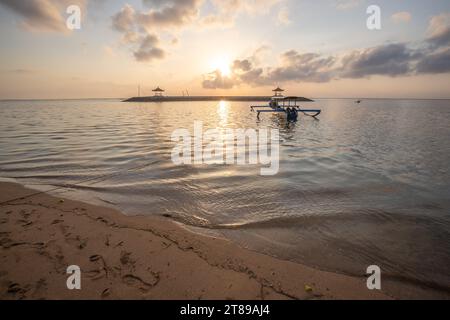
pixel 158 92
pixel 278 92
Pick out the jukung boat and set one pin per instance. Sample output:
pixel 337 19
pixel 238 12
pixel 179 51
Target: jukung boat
pixel 286 105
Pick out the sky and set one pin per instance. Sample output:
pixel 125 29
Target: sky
pixel 317 49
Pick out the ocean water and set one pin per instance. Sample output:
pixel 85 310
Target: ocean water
pixel 365 184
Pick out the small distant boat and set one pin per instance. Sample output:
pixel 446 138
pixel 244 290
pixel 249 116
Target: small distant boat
pixel 287 105
pixel 358 101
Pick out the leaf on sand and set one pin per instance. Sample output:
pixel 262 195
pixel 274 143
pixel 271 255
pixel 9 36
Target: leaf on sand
pixel 308 288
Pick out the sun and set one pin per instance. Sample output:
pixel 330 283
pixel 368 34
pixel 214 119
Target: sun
pixel 223 65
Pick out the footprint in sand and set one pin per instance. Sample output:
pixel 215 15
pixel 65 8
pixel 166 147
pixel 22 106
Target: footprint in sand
pixel 77 241
pixel 7 243
pixel 106 293
pixel 102 269
pixel 101 219
pixel 16 289
pixel 24 223
pixel 137 282
pixel 125 258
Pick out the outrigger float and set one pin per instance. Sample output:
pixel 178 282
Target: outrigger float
pixel 288 105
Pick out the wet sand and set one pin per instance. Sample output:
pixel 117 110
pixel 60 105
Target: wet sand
pixel 125 257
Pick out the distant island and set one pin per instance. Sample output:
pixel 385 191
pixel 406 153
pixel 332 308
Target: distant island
pixel 205 98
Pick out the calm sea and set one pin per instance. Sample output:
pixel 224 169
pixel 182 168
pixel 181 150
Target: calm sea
pixel 365 184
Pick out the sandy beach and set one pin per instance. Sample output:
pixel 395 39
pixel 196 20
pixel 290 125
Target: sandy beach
pixel 140 258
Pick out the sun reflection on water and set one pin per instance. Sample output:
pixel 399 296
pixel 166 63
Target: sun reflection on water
pixel 222 111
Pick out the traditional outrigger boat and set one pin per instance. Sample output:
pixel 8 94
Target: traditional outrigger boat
pixel 287 105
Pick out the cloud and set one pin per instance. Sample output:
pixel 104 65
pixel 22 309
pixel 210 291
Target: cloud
pixel 144 45
pixel 347 4
pixel 155 3
pixel 226 11
pixel 436 56
pixel 283 17
pixel 42 15
pixel 139 28
pixel 166 17
pixel 243 65
pixel 295 66
pixel 401 17
pixel 242 71
pixel 124 20
pixel 430 56
pixel 252 7
pixel 171 13
pixel 389 60
pixel 439 30
pixel 396 59
pixel 254 77
pixel 215 80
pixel 437 62
pixel 310 67
pixel 149 50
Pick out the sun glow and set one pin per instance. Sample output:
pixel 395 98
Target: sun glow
pixel 223 65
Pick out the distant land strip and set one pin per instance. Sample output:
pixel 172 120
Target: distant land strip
pixel 206 98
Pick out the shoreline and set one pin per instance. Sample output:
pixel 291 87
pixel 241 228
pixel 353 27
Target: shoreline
pixel 206 98
pixel 124 257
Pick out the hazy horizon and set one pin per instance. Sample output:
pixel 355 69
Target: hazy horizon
pixel 217 47
pixel 313 98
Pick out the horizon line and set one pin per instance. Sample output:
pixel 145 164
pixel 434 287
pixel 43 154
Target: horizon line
pixel 321 98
